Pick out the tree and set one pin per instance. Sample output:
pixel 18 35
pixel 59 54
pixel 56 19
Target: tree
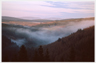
pixel 6 59
pixel 62 59
pixel 41 56
pixel 23 54
pixel 59 39
pixel 72 54
pixel 79 30
pixel 35 56
pixel 47 56
pixel 14 59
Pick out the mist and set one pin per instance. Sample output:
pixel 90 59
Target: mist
pixel 36 36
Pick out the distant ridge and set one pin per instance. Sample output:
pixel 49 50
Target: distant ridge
pixel 7 18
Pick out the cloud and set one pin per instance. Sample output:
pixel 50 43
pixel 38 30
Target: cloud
pixel 73 4
pixel 81 5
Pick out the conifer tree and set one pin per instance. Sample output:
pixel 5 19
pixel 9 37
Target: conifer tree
pixel 6 58
pixel 14 59
pixel 35 56
pixel 62 59
pixel 72 54
pixel 23 54
pixel 41 56
pixel 47 56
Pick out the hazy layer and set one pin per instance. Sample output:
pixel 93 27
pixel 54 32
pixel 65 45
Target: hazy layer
pixel 35 36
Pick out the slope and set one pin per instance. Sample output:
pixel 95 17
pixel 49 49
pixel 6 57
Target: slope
pixel 77 47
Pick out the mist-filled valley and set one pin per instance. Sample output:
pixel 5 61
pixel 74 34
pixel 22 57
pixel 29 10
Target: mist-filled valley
pixel 56 40
pixel 47 31
pixel 43 33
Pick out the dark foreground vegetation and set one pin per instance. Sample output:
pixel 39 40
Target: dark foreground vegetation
pixel 77 47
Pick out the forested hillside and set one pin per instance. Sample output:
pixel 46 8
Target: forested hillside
pixel 47 31
pixel 78 46
pixel 9 49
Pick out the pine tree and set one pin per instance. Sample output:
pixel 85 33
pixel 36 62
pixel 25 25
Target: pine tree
pixel 14 59
pixel 59 39
pixel 47 56
pixel 62 59
pixel 72 54
pixel 41 56
pixel 35 56
pixel 6 59
pixel 23 54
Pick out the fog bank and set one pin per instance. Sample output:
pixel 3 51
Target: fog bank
pixel 33 37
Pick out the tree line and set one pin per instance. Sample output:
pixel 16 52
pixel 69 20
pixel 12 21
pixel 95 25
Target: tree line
pixel 38 55
pixel 22 53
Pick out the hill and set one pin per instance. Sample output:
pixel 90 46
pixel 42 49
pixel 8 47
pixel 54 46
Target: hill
pixel 63 22
pixel 77 47
pixel 9 49
pixel 7 19
pixel 41 22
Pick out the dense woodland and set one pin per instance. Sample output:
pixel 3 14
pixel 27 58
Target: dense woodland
pixel 77 47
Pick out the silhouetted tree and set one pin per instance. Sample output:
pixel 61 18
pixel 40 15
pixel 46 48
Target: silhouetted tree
pixel 14 59
pixel 62 59
pixel 6 59
pixel 35 58
pixel 79 30
pixel 72 54
pixel 59 39
pixel 47 56
pixel 23 54
pixel 41 56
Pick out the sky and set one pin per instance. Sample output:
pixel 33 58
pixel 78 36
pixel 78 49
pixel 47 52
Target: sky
pixel 48 9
